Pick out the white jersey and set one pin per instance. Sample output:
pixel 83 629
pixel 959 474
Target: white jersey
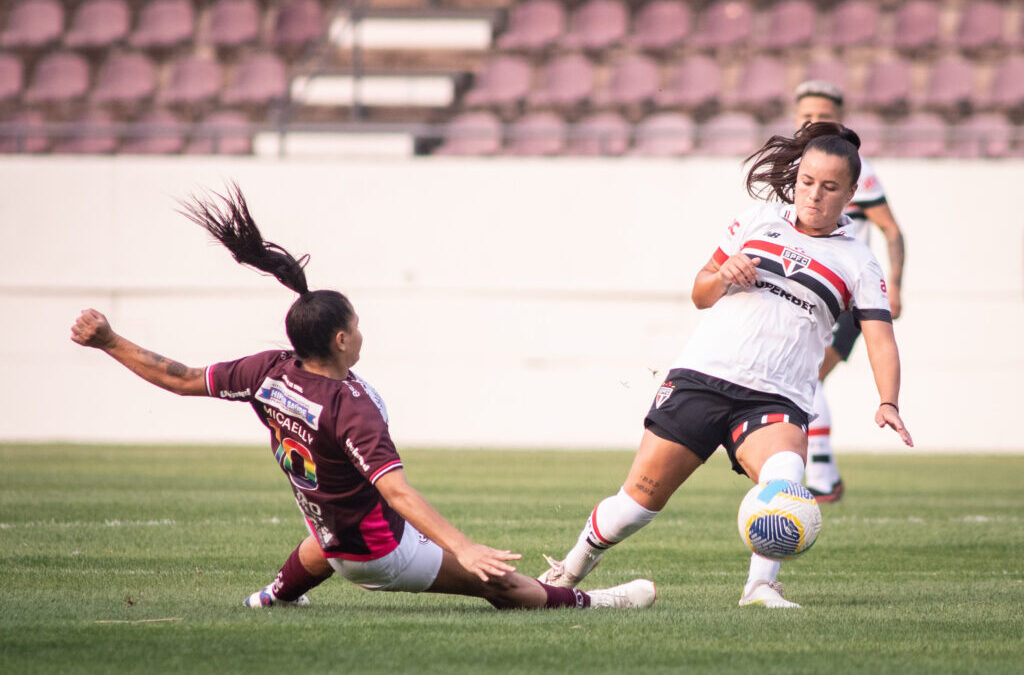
pixel 772 336
pixel 869 193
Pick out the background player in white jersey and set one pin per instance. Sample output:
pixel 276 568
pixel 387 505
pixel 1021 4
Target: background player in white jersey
pixel 329 434
pixel 820 101
pixel 773 291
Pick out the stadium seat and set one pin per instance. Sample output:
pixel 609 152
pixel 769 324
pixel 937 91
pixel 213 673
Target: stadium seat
pixel 192 80
pixel 665 134
pixel 871 130
pixel 566 81
pixel 24 133
pixel 854 23
pixel 93 133
pixel 59 78
pixel 472 134
pixel 536 134
pixel 661 24
pixel 790 24
pixel 259 80
pixel 125 78
pixel 950 85
pixel 981 26
pixel 98 24
pixel 986 135
pixel 221 133
pixel 634 80
pixel 164 24
pixel 12 76
pixel 597 24
pixel 921 134
pixel 731 133
pixel 917 25
pixel 33 24
pixel 782 125
pixel 600 134
pixel 694 83
pixel 831 70
pixel 762 86
pixel 534 25
pixel 234 23
pixel 299 23
pixel 158 133
pixel 888 85
pixel 1007 91
pixel 725 23
pixel 503 80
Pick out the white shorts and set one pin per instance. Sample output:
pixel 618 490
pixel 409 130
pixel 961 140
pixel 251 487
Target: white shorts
pixel 412 567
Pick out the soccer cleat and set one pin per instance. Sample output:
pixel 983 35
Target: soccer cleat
pixel 767 594
pixel 830 497
pixel 263 598
pixel 556 574
pixel 636 594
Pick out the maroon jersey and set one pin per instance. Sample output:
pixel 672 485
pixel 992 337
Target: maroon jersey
pixel 331 439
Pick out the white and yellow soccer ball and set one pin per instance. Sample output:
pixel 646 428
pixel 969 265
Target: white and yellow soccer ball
pixel 779 519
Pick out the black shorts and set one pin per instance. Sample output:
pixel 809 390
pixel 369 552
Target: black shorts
pixel 703 412
pixel 845 334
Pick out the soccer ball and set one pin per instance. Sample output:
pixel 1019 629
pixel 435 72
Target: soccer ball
pixel 779 519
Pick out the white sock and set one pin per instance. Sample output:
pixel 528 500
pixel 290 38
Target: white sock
pixel 785 465
pixel 611 521
pixel 822 471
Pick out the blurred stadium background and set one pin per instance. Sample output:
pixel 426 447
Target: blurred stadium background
pixel 516 195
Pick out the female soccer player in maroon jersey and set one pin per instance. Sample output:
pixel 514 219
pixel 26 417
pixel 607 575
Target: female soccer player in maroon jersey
pixel 329 434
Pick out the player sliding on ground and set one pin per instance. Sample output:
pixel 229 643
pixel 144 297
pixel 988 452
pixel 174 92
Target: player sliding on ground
pixel 329 433
pixel 773 290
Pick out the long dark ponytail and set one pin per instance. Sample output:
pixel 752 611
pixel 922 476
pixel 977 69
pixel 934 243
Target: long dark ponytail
pixel 316 316
pixel 775 164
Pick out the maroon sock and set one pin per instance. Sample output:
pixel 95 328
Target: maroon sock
pixel 565 597
pixel 293 580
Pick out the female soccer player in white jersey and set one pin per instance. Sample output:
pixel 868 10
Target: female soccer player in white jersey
pixel 820 101
pixel 329 434
pixel 772 292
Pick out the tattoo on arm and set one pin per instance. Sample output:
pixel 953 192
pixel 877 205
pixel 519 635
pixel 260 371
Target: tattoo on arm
pixel 171 367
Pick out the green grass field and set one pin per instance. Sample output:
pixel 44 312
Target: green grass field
pixel 136 559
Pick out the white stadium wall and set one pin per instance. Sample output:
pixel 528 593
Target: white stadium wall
pixel 518 303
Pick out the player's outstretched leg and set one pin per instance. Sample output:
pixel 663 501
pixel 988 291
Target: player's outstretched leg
pixel 822 475
pixel 304 570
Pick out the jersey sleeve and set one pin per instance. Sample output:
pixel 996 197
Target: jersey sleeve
pixel 870 300
pixel 869 189
pixel 237 380
pixel 364 434
pixel 736 235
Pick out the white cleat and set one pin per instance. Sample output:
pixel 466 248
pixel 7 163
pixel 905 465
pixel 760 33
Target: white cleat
pixel 635 594
pixel 263 598
pixel 556 574
pixel 767 594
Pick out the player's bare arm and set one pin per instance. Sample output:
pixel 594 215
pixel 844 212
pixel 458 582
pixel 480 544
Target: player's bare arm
pixel 482 561
pixel 885 364
pixel 92 329
pixel 881 215
pixel 714 280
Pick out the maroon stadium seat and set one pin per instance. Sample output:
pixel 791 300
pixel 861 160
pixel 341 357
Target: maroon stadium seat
pixel 533 25
pixel 665 135
pixel 471 134
pixel 125 78
pixel 633 80
pixel 695 82
pixel 259 80
pixel 33 23
pixel 871 130
pixel 158 133
pixel 981 25
pixel 298 24
pixel 833 71
pixel 536 134
pixel 222 133
pixel 921 134
pixel 987 135
pixel 598 24
pixel 99 23
pixel 1007 92
pixel 503 80
pixel 762 85
pixel 790 24
pixel 234 23
pixel 58 78
pixel 725 23
pixel 950 84
pixel 854 22
pixel 164 24
pixel 917 25
pixel 661 24
pixel 192 80
pixel 731 133
pixel 12 76
pixel 565 81
pixel 93 133
pixel 24 133
pixel 605 133
pixel 888 85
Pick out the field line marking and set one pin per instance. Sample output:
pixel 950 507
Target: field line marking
pixel 170 618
